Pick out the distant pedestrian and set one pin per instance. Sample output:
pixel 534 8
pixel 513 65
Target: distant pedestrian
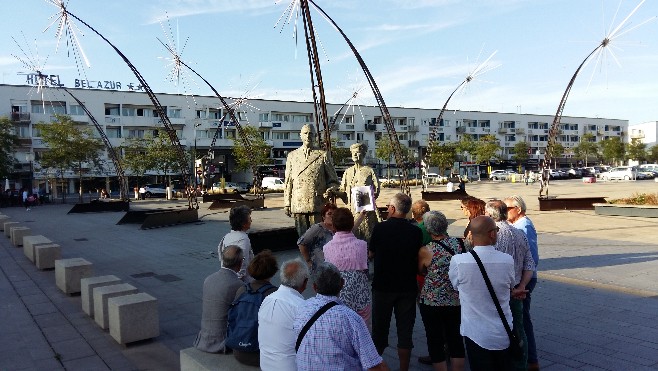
pixel 26 203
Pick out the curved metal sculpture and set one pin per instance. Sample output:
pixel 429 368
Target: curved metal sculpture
pixel 123 182
pixel 229 111
pixel 159 109
pixel 400 156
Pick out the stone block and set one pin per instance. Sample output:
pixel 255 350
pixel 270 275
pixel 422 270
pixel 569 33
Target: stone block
pixel 192 359
pixel 69 272
pixel 7 227
pixel 17 234
pixel 87 286
pixel 45 255
pixel 29 242
pixel 3 219
pixel 133 317
pixel 102 295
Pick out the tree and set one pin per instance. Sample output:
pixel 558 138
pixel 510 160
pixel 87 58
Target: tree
pixel 612 150
pixel 70 146
pixel 486 148
pixel 586 147
pixel 135 158
pixel 339 154
pixel 162 156
pixel 636 150
pixel 385 150
pixel 652 154
pixel 442 155
pixel 556 152
pixel 259 149
pixel 8 140
pixel 521 152
pixel 466 144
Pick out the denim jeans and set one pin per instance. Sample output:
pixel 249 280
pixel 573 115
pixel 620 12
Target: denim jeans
pixel 527 323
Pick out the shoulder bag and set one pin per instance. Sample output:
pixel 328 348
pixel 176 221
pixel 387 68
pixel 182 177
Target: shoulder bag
pixel 311 321
pixel 516 345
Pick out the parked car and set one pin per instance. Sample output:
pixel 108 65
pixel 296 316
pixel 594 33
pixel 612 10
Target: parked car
pixel 156 190
pixel 228 186
pixel 621 173
pixel 501 174
pixel 574 173
pixel 272 182
pixel 434 178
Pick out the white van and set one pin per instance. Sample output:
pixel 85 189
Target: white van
pixel 272 182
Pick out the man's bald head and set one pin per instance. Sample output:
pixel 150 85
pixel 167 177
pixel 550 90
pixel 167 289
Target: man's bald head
pixel 419 208
pixel 232 257
pixel 483 231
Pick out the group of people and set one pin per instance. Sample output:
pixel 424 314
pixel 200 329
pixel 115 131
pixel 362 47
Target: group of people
pixel 416 263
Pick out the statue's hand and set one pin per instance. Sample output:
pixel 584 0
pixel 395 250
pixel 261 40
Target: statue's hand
pixel 286 210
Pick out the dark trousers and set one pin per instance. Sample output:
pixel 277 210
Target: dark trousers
pixel 441 327
pixel 480 359
pixel 403 304
pixel 527 323
pixel 516 306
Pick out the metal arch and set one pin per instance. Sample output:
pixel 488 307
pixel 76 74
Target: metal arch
pixel 162 114
pixel 555 126
pixel 123 183
pixel 241 133
pixel 400 157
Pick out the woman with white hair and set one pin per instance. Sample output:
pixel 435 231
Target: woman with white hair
pixel 438 300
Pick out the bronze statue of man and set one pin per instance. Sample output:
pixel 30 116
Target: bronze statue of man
pixel 310 181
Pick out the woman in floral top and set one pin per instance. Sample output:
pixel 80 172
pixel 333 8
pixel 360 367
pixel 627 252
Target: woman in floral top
pixel 439 301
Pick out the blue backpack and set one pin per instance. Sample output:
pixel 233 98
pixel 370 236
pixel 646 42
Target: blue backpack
pixel 242 332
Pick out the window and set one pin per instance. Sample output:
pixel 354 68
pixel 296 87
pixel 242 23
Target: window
pixel 265 135
pixel 411 120
pixel 128 111
pixel 175 113
pixel 359 136
pixel 113 132
pixel 510 138
pixel 23 131
pixel 533 125
pixel 263 117
pixel 214 114
pixel 201 114
pixel 135 133
pixel 349 120
pixel 295 135
pixel 301 118
pixel 76 110
pixel 49 108
pixel 280 135
pixel 230 134
pixel 112 110
pixel 280 117
pixel 484 123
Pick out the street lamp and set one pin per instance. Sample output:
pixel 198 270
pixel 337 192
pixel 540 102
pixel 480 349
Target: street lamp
pixel 30 158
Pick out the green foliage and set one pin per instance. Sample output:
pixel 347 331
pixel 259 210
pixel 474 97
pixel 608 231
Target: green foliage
pixel 586 147
pixel 466 144
pixel 135 157
pixel 652 154
pixel 259 149
pixel 636 150
pixel 442 155
pixel 612 150
pixel 638 199
pixel 69 146
pixel 161 154
pixel 339 154
pixel 7 142
pixel 487 148
pixel 384 149
pixel 521 152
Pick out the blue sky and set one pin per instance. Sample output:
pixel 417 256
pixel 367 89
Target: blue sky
pixel 418 51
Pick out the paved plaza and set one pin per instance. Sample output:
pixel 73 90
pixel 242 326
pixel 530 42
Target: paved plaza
pixel 595 306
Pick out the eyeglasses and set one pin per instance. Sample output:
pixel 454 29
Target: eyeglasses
pixel 495 229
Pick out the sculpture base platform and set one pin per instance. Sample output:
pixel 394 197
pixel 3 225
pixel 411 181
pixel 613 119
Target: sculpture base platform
pixel 275 239
pixel 100 206
pixel 643 211
pixel 443 196
pixel 160 218
pixel 229 200
pixel 569 203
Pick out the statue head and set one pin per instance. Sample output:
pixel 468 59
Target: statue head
pixel 307 136
pixel 359 151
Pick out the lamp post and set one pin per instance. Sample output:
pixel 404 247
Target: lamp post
pixel 30 158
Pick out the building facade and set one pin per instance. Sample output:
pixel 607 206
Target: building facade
pixel 130 114
pixel 646 132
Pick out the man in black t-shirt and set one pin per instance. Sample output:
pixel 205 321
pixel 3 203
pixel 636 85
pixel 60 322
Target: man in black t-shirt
pixel 394 246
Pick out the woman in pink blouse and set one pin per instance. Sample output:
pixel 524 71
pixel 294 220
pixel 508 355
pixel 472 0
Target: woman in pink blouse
pixel 350 256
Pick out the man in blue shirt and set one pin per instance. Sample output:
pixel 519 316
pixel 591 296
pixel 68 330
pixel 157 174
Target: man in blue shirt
pixel 516 210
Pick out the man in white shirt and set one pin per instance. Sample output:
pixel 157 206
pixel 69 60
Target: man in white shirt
pixel 240 220
pixel 487 342
pixel 276 337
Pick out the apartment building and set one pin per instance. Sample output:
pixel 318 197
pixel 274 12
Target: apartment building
pixel 199 120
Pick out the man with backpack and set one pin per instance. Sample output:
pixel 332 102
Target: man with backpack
pixel 242 335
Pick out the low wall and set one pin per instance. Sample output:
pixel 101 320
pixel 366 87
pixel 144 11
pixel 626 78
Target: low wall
pixel 644 211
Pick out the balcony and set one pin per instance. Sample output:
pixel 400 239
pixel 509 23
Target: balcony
pixel 461 129
pixel 371 127
pixel 414 143
pixel 20 117
pixel 24 142
pixel 413 128
pixel 502 130
pixel 265 124
pixel 639 135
